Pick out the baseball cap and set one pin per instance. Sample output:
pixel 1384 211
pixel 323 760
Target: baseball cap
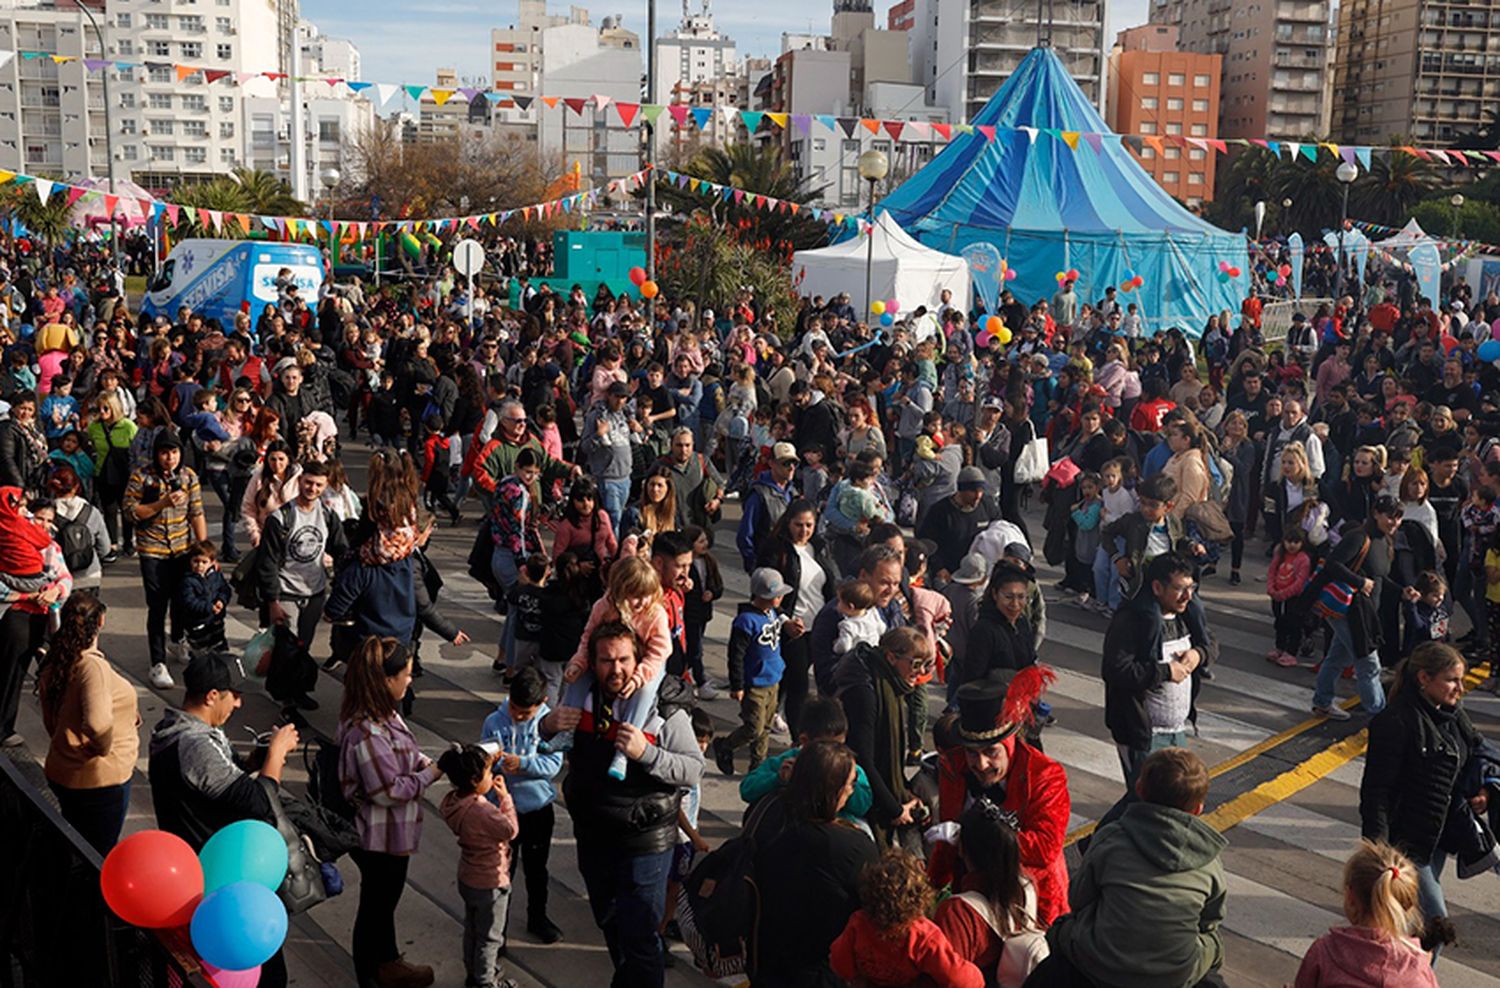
pixel 972 569
pixel 766 584
pixel 214 671
pixel 166 439
pixel 619 389
pixel 782 452
pixel 1019 550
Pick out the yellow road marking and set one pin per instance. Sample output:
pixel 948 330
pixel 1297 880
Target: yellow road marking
pixel 1287 784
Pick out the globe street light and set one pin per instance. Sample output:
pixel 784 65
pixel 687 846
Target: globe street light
pixel 1457 200
pixel 331 179
pixel 1346 174
pixel 873 166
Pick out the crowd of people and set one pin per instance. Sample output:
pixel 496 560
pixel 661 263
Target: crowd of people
pixel 887 487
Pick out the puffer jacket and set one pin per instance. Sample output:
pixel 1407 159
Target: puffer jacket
pixel 1415 755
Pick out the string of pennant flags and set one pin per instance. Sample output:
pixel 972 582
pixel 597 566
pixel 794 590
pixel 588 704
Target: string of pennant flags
pixel 701 117
pixel 294 227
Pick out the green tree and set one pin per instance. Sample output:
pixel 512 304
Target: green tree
pixel 1474 220
pixel 50 221
pixel 761 169
pixel 711 264
pixel 1246 180
pixel 1395 183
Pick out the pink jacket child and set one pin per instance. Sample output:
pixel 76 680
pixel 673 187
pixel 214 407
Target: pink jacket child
pixel 1288 575
pixel 1360 957
pixel 484 831
pixel 633 583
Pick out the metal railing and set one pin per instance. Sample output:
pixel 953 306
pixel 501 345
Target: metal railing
pixel 55 929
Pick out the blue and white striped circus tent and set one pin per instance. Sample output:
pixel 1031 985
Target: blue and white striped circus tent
pixel 1056 190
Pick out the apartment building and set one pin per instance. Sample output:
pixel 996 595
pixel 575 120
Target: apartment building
pixel 1157 91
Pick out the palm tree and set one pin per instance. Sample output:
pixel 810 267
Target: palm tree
pixel 1315 193
pixel 266 194
pixel 756 168
pixel 1392 187
pixel 1247 180
pixel 48 221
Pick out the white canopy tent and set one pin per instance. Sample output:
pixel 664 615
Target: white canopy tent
pixel 1410 236
pixel 902 269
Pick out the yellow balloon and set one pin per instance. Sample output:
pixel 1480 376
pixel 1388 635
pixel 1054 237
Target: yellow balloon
pixel 877 307
pixel 1003 335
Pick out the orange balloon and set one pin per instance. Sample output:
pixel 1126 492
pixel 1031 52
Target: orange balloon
pixel 649 289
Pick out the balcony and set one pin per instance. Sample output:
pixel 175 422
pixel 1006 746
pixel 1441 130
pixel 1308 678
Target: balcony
pixel 1311 12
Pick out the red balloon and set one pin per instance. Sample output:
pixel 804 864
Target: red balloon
pixel 637 275
pixel 1139 281
pixel 1234 272
pixel 1449 342
pixel 153 880
pixel 1073 274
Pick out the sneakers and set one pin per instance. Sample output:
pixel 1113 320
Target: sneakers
pixel 1085 600
pixel 1234 578
pixel 723 756
pixel 544 930
pixel 1284 659
pixel 161 677
pixel 1332 712
pixel 400 974
pixel 707 692
pixel 177 651
pixel 778 725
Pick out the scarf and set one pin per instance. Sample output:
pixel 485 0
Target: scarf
pixel 891 692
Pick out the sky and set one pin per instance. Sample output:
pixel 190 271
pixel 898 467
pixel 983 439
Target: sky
pixel 405 41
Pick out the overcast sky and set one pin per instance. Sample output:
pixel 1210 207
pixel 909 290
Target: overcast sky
pixel 404 41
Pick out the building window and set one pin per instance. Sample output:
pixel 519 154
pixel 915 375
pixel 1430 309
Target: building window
pixel 192 49
pixel 1150 79
pixel 127 126
pixel 160 153
pixel 1195 178
pixel 195 156
pixel 1148 102
pixel 1168 177
pixel 156 22
pixel 1174 128
pixel 1201 81
pixel 226 129
pixel 1200 106
pixel 224 25
pixel 162 49
pixel 224 51
pixel 1172 154
pixel 1176 79
pixel 122 20
pixel 125 47
pixel 159 101
pixel 1196 154
pixel 1198 130
pixel 226 104
pixel 194 103
pixel 1174 104
pixel 191 25
pixel 1148 153
pixel 130 152
pixel 195 128
pixel 1148 127
pixel 162 128
pixel 127 101
pixel 226 156
pixel 328 131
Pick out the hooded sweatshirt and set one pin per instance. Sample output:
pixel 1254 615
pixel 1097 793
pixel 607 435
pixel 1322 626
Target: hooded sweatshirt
pixel 196 784
pixel 484 831
pixel 1155 870
pixel 1359 957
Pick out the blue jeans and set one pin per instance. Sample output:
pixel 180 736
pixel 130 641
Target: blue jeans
pixel 1430 901
pixel 1106 579
pixel 1366 671
pixel 627 894
pixel 615 493
pixel 507 573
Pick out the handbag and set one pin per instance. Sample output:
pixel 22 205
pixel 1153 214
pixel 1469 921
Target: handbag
pixel 302 888
pixel 1336 596
pixel 1032 462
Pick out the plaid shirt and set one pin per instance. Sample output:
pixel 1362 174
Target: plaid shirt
pixel 170 531
pixel 383 773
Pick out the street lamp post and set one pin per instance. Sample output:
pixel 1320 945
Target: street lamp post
pixel 651 141
pixel 873 166
pixel 1286 209
pixel 109 128
pixel 1457 201
pixel 1346 175
pixel 330 179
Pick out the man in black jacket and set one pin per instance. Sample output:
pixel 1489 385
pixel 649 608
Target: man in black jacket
pixel 953 522
pixel 817 422
pixel 626 829
pixel 1151 652
pixel 873 684
pixel 197 786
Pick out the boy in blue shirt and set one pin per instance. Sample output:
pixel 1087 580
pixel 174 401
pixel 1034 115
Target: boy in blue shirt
pixel 822 719
pixel 514 727
pixel 59 411
pixel 755 668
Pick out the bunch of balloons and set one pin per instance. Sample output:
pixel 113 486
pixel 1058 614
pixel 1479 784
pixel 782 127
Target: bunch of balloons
pixel 995 331
pixel 1132 282
pixel 1227 272
pixel 1069 275
pixel 649 289
pixel 225 895
pixel 885 311
pixel 1007 273
pixel 1282 274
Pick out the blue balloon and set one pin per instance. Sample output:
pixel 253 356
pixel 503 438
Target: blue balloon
pixel 886 319
pixel 1489 350
pixel 239 926
pixel 244 851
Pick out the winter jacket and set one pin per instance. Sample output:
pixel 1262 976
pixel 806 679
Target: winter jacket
pixel 1154 871
pixel 780 555
pixel 1287 578
pixel 197 787
pixel 763 508
pixel 1136 533
pixel 995 643
pixel 484 831
pixel 755 648
pixel 1132 666
pixel 1359 957
pixel 870 720
pixel 531 788
pixel 1415 755
pixel 867 955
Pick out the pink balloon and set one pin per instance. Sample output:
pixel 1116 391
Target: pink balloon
pixel 232 979
pixel 983 339
pixel 1010 274
pixel 1495 330
pixel 892 306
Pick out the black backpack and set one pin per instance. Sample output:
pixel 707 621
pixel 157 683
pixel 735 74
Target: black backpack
pixel 77 541
pixel 718 906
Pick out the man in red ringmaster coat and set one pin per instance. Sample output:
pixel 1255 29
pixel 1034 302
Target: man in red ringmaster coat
pixel 986 756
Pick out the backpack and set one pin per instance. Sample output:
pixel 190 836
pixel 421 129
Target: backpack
pixel 717 908
pixel 77 541
pixel 1022 950
pixel 1220 476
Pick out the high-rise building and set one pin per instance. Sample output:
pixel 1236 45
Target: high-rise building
pixel 1416 68
pixel 695 64
pixel 516 50
pixel 902 17
pixel 1166 96
pixel 962 51
pixel 578 62
pixel 52 119
pixel 1275 56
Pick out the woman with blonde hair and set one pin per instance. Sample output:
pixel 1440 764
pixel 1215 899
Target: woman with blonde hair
pixel 1378 947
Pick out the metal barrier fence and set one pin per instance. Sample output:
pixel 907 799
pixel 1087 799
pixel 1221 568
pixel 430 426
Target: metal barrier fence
pixel 55 930
pixel 1276 316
